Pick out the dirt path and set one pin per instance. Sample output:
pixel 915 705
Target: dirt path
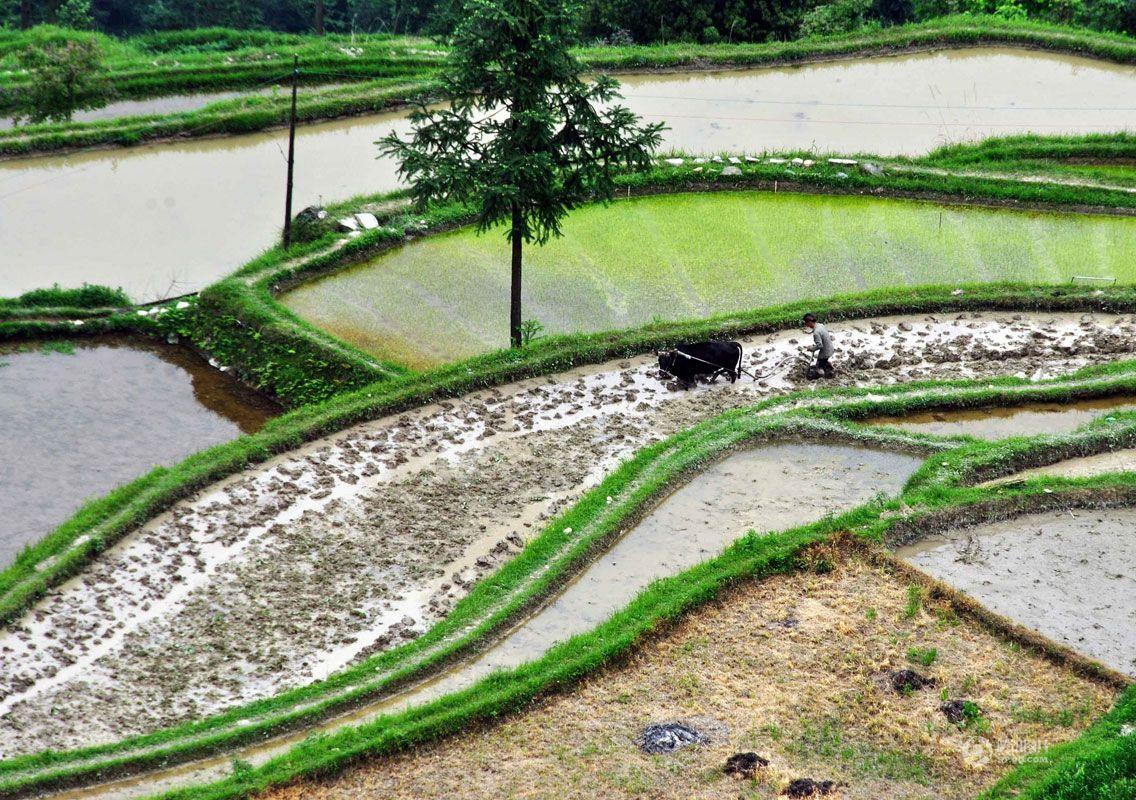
pixel 294 569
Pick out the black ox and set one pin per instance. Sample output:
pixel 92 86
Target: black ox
pixel 703 361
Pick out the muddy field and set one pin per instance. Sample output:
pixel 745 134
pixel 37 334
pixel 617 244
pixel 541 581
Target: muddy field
pixel 1070 575
pixel 301 566
pixel 796 670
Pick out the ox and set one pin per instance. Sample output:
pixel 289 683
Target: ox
pixel 702 361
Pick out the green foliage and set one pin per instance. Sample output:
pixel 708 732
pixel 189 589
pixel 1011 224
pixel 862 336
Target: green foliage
pixel 76 14
pixel 914 601
pixel 63 78
pixel 531 330
pixel 86 296
pixel 923 656
pixel 841 16
pixel 525 138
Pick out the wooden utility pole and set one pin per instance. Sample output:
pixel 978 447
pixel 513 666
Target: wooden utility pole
pixel 25 14
pixel 291 156
pixel 319 18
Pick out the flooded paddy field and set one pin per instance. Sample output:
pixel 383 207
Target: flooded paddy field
pixel 223 599
pixel 794 668
pixel 168 104
pixel 689 256
pixel 201 208
pixel 1029 419
pixel 767 489
pixel 83 417
pixel 1070 575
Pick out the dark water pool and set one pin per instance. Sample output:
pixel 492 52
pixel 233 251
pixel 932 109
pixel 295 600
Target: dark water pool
pixel 77 423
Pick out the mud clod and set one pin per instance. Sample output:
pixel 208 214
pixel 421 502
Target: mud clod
pixel 807 787
pixel 905 681
pixel 959 712
pixel 745 765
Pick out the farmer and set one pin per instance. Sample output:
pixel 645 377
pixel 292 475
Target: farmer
pixel 822 346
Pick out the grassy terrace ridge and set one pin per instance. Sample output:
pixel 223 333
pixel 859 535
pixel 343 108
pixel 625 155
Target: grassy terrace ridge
pixel 218 59
pixel 936 497
pixel 401 68
pixel 85 301
pixel 239 322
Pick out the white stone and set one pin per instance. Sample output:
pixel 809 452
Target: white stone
pixel 798 161
pixel 717 159
pixel 844 162
pixel 731 172
pixel 675 162
pixel 808 162
pixel 735 160
pixel 753 160
pixel 348 224
pixel 777 161
pixel 700 161
pixel 368 220
pixel 182 304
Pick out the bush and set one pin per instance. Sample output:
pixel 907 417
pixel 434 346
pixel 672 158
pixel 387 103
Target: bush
pixel 839 17
pixel 86 296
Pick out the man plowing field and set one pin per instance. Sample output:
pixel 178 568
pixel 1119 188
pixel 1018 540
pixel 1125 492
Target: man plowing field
pixel 708 361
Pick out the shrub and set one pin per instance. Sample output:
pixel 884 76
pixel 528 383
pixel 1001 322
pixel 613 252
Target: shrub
pixel 838 17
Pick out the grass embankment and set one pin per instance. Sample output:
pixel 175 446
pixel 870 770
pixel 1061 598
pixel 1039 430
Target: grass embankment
pixel 1098 158
pixel 239 322
pixel 87 300
pixel 935 497
pixel 217 59
pixel 400 68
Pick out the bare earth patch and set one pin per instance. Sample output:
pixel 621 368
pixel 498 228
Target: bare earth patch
pixel 793 668
pixel 298 567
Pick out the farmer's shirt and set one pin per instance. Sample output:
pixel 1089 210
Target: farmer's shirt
pixel 822 342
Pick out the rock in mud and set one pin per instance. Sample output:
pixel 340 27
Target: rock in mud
pixel 905 681
pixel 668 737
pixel 807 787
pixel 958 711
pixel 745 765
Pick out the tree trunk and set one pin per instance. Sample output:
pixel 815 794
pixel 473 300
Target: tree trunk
pixel 25 14
pixel 515 288
pixel 319 18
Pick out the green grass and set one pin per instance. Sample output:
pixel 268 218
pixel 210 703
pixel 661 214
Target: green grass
pixel 241 324
pixel 400 67
pixel 924 656
pixel 219 59
pixel 688 256
pixel 84 301
pixel 495 602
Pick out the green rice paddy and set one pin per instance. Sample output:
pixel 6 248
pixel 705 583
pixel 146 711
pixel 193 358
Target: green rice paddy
pixel 683 256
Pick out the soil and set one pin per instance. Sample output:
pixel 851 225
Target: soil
pixel 807 699
pixel 303 565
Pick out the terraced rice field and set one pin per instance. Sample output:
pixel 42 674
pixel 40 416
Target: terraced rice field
pixel 693 255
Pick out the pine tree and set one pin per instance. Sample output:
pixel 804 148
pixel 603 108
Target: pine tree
pixel 525 138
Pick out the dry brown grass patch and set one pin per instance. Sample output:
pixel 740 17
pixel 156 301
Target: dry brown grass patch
pixel 793 666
